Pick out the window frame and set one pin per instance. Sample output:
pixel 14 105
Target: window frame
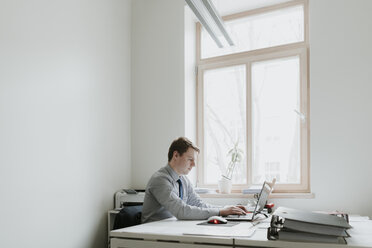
pixel 246 58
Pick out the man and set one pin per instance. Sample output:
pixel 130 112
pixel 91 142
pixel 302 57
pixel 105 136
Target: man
pixel 169 192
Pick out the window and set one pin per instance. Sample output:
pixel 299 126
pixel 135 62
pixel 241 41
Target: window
pixel 255 96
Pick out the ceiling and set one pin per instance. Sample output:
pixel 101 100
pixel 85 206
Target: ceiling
pixel 226 7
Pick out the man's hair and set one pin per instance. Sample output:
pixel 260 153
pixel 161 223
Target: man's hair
pixel 181 145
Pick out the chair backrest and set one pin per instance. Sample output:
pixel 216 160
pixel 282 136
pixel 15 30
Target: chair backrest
pixel 128 216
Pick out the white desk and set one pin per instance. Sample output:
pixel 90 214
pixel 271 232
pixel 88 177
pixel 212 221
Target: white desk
pixel 165 233
pixel 169 233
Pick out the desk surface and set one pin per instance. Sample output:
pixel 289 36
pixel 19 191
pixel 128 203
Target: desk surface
pixel 172 230
pixel 169 230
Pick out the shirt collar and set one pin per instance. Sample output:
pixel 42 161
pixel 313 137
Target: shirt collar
pixel 172 173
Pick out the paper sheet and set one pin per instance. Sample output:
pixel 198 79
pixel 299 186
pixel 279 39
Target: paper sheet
pixel 223 233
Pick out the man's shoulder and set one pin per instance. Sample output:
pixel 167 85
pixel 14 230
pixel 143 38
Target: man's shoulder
pixel 162 172
pixel 160 175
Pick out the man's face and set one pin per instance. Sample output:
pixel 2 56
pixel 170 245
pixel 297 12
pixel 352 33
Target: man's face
pixel 186 162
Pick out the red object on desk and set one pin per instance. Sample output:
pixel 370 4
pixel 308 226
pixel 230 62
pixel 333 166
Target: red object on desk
pixel 269 207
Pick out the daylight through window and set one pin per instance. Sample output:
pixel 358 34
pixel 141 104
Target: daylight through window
pixel 254 97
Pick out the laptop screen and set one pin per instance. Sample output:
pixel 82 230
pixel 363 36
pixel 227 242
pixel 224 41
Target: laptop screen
pixel 264 194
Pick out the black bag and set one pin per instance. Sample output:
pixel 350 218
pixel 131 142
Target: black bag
pixel 128 216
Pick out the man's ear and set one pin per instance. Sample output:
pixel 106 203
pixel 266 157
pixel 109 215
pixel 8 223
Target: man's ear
pixel 175 154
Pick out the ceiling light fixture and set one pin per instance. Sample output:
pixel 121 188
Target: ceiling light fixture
pixel 210 19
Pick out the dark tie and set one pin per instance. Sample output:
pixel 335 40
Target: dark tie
pixel 180 188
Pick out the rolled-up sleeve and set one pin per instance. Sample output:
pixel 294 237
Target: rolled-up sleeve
pixel 165 194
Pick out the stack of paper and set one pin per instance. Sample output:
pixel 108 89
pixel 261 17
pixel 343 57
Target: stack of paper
pixel 298 225
pixel 204 191
pixel 254 189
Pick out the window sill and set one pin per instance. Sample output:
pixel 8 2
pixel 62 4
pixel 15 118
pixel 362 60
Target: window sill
pixel 272 195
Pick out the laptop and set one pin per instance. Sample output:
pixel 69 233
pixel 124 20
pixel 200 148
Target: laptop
pixel 261 202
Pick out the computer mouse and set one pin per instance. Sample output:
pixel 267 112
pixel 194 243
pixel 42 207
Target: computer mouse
pixel 216 220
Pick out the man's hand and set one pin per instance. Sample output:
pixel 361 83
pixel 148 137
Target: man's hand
pixel 239 210
pixel 242 207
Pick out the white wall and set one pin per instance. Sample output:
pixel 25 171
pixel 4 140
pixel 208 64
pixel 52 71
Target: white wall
pixel 64 119
pixel 189 80
pixel 341 119
pixel 158 112
pixel 340 85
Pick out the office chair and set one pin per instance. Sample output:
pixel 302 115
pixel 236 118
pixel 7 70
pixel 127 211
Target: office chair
pixel 128 216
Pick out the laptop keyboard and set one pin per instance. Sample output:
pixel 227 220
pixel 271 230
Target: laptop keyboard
pixel 247 216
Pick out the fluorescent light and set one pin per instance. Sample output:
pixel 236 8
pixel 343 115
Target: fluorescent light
pixel 210 19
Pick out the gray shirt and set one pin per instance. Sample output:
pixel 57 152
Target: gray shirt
pixel 162 199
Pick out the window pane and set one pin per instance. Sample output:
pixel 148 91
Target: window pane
pixel 270 29
pixel 276 125
pixel 224 122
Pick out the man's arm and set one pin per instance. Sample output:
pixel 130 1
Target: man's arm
pixel 162 189
pixel 194 199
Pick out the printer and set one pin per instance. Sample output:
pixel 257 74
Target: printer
pixel 128 197
pixel 123 198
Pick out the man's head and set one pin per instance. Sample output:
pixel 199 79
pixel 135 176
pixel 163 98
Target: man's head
pixel 182 155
